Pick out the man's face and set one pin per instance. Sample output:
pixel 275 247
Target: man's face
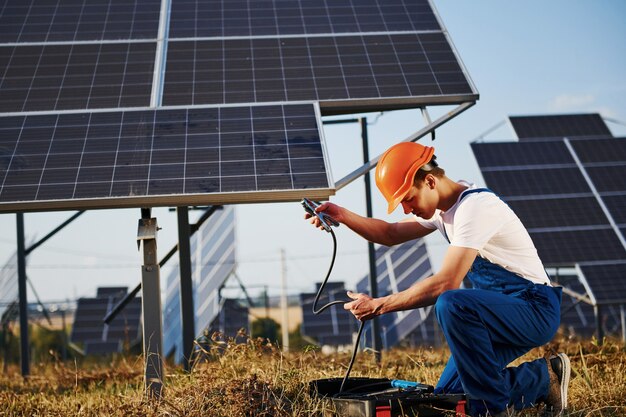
pixel 421 201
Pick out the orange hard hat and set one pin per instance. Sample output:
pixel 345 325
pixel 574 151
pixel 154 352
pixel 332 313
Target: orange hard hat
pixel 396 170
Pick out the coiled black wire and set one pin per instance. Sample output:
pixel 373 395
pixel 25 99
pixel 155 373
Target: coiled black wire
pixel 325 306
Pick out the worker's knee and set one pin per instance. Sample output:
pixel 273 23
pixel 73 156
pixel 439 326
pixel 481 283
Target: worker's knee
pixel 449 307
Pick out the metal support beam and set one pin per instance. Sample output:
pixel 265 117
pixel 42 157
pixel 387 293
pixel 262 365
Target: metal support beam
pixel 414 137
pixel 373 283
pixel 23 300
pixel 186 286
pixel 622 315
pixel 54 232
pixel 151 306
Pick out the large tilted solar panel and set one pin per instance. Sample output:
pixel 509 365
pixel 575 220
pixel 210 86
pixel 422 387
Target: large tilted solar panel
pixel 8 285
pixel 344 73
pixel 162 157
pixel 218 18
pixel 48 77
pixel 333 326
pixel 544 184
pixel 397 268
pixel 212 262
pixel 570 126
pixel 78 20
pixel 96 337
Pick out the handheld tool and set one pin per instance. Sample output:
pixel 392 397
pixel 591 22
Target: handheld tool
pixel 325 220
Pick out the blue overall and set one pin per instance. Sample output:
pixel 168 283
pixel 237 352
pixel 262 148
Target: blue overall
pixel 487 327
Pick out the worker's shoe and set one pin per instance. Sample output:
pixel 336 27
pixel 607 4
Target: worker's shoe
pixel 559 370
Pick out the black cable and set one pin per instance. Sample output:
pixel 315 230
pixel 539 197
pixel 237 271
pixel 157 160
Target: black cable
pixel 325 306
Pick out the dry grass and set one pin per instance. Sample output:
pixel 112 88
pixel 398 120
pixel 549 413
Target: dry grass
pixel 257 379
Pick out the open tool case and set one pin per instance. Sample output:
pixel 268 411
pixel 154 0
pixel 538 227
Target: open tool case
pixel 376 397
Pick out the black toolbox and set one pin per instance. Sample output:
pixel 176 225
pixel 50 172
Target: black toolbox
pixel 377 397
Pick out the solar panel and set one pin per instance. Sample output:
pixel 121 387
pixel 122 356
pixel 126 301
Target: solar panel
pixel 78 20
pixel 217 18
pixel 88 327
pixel 212 262
pixel 232 318
pixel 397 268
pixel 574 210
pixel 76 76
pixel 334 326
pixel 559 126
pixel 343 73
pixel 162 157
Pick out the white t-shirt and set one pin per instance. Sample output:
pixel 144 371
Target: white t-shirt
pixel 484 222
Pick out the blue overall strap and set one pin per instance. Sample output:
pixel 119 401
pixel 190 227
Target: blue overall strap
pixel 463 195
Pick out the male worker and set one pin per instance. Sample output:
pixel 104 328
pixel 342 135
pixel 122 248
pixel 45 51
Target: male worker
pixel 512 306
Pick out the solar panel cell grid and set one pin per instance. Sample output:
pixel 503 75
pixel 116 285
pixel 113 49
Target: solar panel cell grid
pixel 316 68
pixel 570 247
pixel 217 18
pixel 125 154
pixel 529 182
pixel 559 126
pixel 600 150
pixel 557 212
pixel 81 76
pixel 517 154
pixel 78 20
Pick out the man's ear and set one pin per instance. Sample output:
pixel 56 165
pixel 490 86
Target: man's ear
pixel 431 181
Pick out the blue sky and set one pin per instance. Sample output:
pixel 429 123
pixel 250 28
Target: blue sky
pixel 528 57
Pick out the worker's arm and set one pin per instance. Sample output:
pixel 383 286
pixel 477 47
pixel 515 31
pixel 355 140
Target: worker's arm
pixel 374 230
pixel 456 264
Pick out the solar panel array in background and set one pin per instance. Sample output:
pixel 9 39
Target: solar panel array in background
pixel 212 262
pixel 332 327
pixel 89 329
pixel 232 318
pixel 117 158
pixel 571 196
pixel 8 286
pixel 530 128
pixel 397 268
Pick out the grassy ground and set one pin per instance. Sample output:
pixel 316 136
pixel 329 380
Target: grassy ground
pixel 257 379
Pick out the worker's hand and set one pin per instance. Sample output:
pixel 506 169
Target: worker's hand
pixel 328 208
pixel 363 307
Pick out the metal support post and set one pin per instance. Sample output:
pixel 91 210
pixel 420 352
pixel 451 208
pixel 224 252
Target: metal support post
pixel 186 286
pixel 23 301
pixel 599 325
pixel 622 314
pixel 151 306
pixel 373 284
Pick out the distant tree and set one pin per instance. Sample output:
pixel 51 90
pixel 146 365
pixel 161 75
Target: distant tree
pixel 266 328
